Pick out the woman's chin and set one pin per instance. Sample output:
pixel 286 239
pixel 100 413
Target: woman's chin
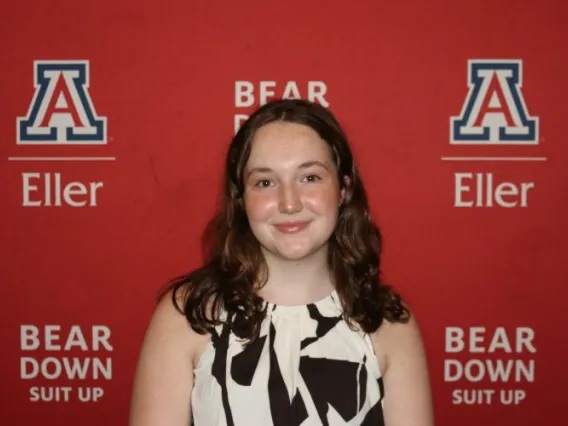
pixel 295 253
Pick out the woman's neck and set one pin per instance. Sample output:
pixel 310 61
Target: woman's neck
pixel 297 282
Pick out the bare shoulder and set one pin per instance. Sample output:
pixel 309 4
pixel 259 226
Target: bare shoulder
pixel 404 366
pixel 392 338
pixel 169 326
pixel 164 373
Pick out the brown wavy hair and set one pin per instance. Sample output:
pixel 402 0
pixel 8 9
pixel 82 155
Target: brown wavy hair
pixel 234 268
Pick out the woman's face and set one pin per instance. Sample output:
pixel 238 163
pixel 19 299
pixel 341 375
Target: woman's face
pixel 291 192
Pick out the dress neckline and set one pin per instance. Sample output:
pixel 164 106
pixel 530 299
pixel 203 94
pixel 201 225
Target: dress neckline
pixel 331 299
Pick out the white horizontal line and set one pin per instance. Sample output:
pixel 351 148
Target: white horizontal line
pixel 61 158
pixel 494 158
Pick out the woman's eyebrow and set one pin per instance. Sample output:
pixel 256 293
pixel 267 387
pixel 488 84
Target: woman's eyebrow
pixel 312 163
pixel 304 165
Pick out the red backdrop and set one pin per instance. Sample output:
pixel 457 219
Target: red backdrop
pixel 78 282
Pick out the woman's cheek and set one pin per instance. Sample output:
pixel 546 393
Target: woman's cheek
pixel 259 205
pixel 322 199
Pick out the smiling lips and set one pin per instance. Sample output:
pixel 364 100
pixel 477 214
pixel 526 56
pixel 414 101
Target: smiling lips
pixel 291 227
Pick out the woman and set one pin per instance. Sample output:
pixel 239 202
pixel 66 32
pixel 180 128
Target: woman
pixel 289 322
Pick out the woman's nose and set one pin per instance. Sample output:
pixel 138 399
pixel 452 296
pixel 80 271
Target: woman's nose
pixel 290 201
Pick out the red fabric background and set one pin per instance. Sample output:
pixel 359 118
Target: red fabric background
pixel 164 73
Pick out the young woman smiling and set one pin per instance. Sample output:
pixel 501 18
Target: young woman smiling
pixel 287 322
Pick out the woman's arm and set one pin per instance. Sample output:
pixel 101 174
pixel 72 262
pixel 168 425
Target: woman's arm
pixel 164 375
pixel 408 398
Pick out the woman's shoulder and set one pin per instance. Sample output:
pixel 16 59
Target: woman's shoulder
pixel 164 373
pixel 394 339
pixel 170 329
pixel 405 372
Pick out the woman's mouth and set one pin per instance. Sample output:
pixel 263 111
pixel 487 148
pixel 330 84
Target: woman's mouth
pixel 291 227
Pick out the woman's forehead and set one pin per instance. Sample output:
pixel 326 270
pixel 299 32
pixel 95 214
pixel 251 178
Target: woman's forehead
pixel 283 142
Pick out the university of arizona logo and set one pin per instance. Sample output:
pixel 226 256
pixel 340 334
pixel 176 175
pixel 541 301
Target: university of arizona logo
pixel 494 111
pixel 61 111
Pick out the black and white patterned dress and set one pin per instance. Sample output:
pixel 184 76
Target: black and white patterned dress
pixel 308 368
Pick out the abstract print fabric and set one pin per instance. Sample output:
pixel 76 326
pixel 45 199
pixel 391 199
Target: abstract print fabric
pixel 308 368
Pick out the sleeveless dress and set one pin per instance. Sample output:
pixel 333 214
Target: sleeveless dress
pixel 308 368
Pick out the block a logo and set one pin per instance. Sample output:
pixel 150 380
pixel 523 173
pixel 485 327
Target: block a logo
pixel 494 111
pixel 61 111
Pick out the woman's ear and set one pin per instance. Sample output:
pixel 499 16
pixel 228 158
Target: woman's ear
pixel 344 188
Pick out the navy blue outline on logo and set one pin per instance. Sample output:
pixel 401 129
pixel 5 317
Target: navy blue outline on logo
pixel 514 83
pixel 81 84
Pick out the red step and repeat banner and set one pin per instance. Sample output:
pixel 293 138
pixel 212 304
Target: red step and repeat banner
pixel 115 120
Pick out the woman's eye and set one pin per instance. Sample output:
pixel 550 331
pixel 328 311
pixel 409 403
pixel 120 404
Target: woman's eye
pixel 312 178
pixel 263 183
